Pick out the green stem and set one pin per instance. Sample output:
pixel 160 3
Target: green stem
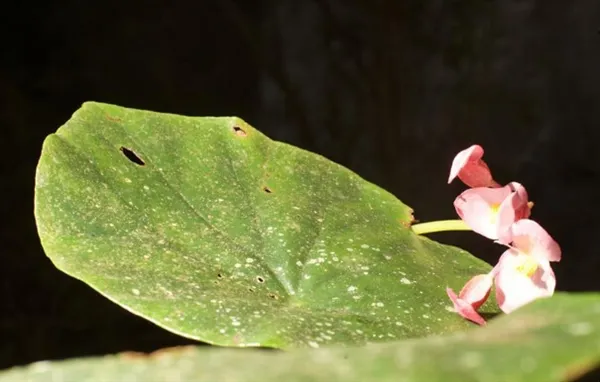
pixel 440 226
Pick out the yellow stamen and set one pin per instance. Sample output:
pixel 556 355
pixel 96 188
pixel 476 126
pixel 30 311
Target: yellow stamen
pixel 527 266
pixel 494 212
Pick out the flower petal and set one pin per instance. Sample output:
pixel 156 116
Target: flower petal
pixel 529 237
pixel 514 288
pixel 477 290
pixel 477 207
pixel 513 208
pixel 464 309
pixel 471 169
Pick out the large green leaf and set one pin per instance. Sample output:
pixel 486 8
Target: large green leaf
pixel 213 231
pixel 551 340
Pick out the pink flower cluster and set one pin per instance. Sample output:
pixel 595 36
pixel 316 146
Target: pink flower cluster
pixel 501 213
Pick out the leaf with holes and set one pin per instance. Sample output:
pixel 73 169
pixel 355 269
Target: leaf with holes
pixel 211 230
pixel 550 340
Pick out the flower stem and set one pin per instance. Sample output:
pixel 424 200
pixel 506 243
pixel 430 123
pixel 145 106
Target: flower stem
pixel 440 226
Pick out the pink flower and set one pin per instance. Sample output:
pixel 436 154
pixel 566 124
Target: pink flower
pixel 471 169
pixel 491 211
pixel 471 297
pixel 521 279
pixel 530 238
pixel 523 273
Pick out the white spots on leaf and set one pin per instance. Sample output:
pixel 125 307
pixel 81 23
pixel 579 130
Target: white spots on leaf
pixel 387 257
pixel 127 180
pixel 249 260
pixel 580 329
pixel 167 292
pixel 299 263
pixel 352 289
pixel 378 304
pixel 238 265
pixel 365 246
pixel 257 314
pixel 317 261
pixel 135 291
pixel 425 316
pixel 313 344
pixel 146 187
pixel 406 281
pixel 398 323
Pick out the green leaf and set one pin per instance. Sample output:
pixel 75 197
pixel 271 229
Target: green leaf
pixel 209 229
pixel 550 340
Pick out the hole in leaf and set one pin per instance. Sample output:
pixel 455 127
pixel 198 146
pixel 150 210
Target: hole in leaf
pixel 216 282
pixel 260 279
pixel 219 276
pixel 273 296
pixel 251 289
pixel 267 189
pixel 129 154
pixel 239 131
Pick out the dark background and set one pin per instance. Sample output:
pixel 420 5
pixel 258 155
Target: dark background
pixel 389 88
